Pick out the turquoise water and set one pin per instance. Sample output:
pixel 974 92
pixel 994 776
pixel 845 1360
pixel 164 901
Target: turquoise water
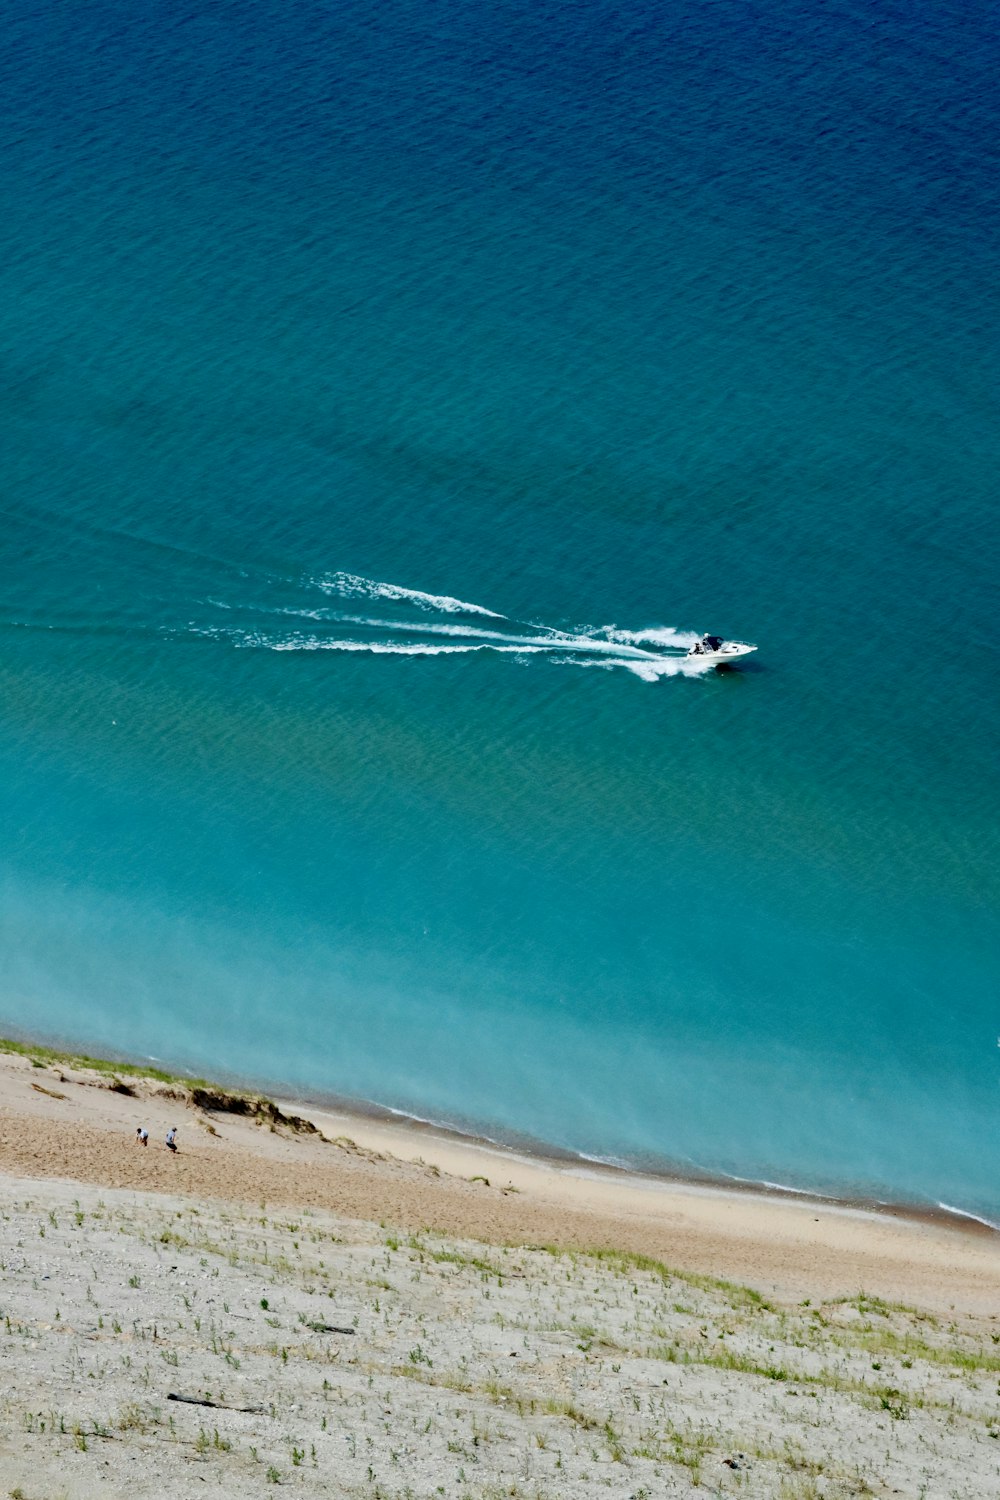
pixel 386 393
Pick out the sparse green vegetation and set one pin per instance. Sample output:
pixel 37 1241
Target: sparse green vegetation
pixel 43 1057
pixel 627 1262
pixel 475 1262
pixel 554 1373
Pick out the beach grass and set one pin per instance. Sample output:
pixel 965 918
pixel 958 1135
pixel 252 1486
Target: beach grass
pixel 45 1056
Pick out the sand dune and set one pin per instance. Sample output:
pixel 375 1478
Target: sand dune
pixel 369 1324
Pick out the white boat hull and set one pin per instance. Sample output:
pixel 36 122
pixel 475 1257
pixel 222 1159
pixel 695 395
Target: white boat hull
pixel 729 651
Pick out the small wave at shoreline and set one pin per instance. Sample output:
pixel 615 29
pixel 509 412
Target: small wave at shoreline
pixel 963 1213
pixel 509 1144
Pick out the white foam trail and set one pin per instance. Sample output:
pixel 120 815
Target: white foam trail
pixel 383 648
pixel 553 640
pixel 339 617
pixel 648 668
pixel 577 651
pixel 351 585
pixel 654 652
pixel 469 632
pixel 655 635
pixel 651 671
pixel 646 664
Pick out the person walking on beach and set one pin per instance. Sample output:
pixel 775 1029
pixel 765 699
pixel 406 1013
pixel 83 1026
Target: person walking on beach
pixel 141 1135
pixel 172 1138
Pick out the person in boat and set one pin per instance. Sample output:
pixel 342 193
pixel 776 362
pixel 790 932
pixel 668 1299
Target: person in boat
pixel 707 645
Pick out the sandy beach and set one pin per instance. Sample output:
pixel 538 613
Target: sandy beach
pixel 348 1306
pixel 65 1122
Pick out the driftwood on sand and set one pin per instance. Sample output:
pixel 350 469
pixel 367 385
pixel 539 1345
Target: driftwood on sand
pixel 257 1411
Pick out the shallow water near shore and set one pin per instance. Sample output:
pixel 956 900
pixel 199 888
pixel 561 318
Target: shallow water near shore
pixel 387 398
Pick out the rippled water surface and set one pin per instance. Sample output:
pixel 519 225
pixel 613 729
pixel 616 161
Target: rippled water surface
pixel 388 393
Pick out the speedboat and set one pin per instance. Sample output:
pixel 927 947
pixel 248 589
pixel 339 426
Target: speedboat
pixel 714 651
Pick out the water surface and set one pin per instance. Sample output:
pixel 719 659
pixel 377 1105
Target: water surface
pixel 386 395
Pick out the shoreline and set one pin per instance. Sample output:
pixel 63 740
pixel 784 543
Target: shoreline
pixel 75 1123
pixel 378 1121
pixel 392 1128
pixel 395 1128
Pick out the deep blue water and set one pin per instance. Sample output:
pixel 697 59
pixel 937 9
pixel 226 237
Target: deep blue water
pixel 320 325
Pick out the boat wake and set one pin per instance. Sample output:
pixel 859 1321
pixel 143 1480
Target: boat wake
pixel 406 627
pixel 349 585
pixel 270 610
